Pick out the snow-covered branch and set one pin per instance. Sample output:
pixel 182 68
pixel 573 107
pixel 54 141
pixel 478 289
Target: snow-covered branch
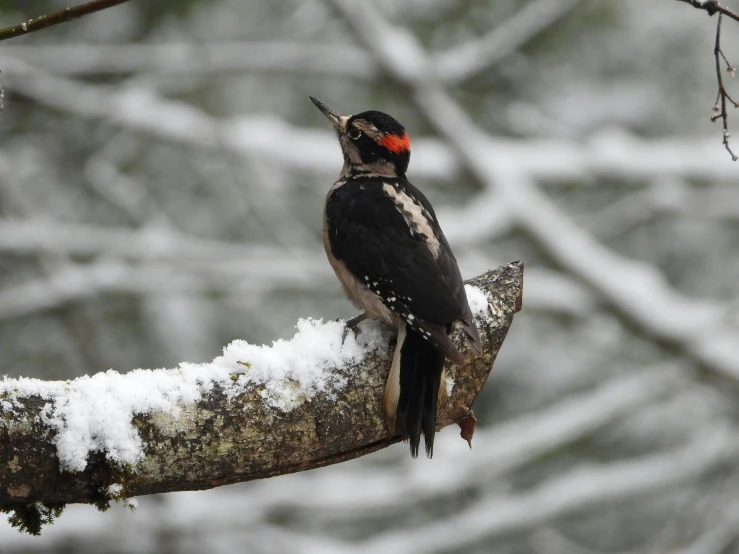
pixel 470 59
pixel 148 243
pixel 155 259
pixel 299 404
pixel 613 154
pixel 457 64
pixel 192 58
pixel 579 489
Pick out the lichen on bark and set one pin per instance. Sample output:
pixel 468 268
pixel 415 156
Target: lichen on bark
pixel 223 439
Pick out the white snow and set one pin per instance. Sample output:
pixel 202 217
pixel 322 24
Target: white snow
pixel 449 383
pixel 114 490
pixel 477 300
pixel 94 413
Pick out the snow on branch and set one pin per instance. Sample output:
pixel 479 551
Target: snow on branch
pixel 254 412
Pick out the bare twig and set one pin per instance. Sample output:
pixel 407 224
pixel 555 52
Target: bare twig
pixel 61 16
pixel 204 59
pixel 712 7
pixel 722 96
pixel 76 282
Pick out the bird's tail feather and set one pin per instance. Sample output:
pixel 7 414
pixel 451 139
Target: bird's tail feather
pixel 471 329
pixel 421 366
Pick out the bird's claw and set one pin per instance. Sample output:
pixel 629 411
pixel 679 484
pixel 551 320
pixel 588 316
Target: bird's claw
pixel 351 324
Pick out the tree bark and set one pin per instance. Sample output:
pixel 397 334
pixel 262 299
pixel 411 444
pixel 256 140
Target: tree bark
pixel 217 441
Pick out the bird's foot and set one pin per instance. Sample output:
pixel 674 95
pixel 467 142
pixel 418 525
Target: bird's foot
pixel 351 325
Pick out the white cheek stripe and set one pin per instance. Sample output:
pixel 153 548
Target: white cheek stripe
pixel 416 217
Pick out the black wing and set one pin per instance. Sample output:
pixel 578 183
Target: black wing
pixel 369 234
pixel 449 267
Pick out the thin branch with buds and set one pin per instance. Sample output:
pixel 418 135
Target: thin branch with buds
pixel 61 16
pixel 712 7
pixel 722 96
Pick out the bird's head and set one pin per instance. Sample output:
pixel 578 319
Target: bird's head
pixel 371 141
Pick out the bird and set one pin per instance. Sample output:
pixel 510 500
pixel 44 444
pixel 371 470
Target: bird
pixel 383 240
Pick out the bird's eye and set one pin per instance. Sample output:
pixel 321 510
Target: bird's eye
pixel 354 133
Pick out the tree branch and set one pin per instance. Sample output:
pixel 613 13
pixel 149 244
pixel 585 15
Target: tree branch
pixel 712 7
pixel 70 442
pixel 61 16
pixel 722 96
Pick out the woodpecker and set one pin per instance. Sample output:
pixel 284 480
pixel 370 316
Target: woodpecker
pixel 385 245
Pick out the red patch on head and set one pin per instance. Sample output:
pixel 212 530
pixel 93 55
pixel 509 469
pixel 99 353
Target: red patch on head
pixel 396 143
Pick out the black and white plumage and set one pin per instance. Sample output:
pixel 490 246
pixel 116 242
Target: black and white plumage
pixel 385 244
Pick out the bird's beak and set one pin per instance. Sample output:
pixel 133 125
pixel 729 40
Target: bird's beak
pixel 334 117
